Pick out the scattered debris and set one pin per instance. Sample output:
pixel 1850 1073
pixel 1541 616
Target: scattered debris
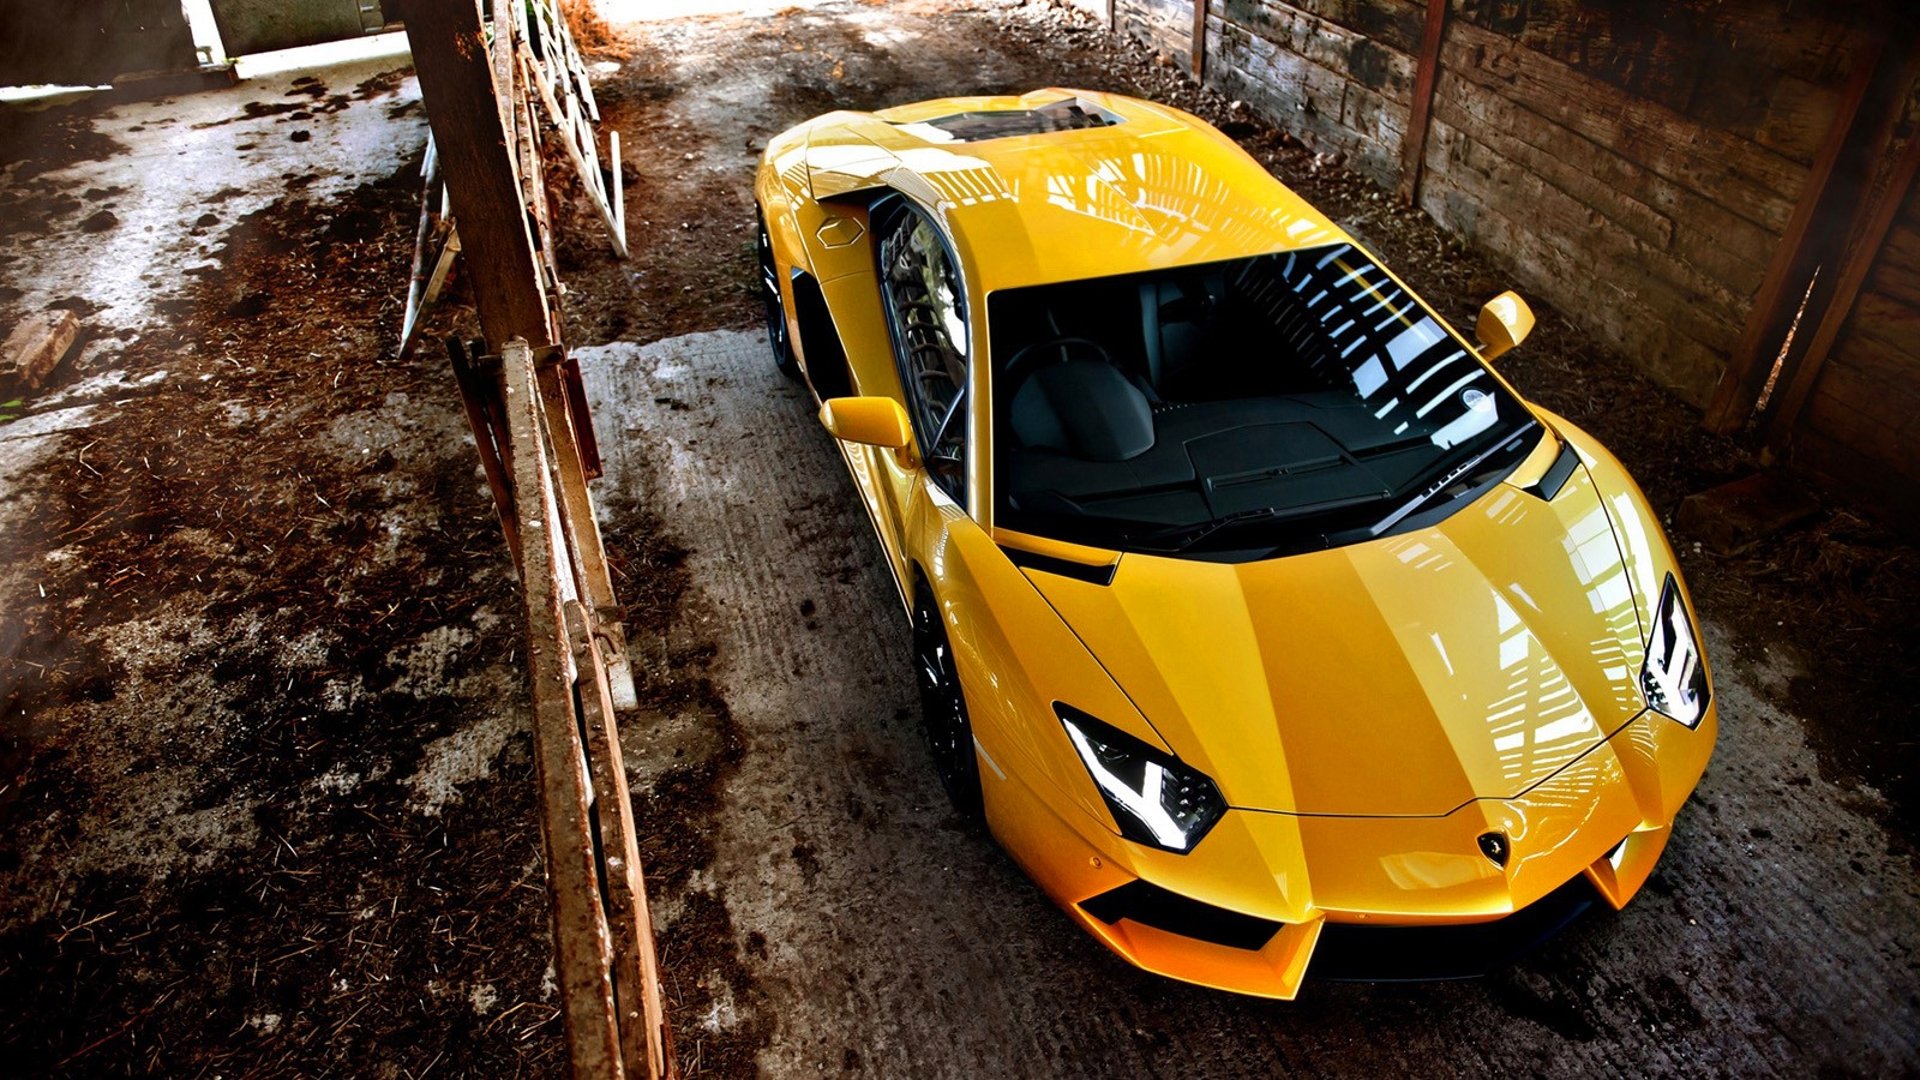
pixel 1733 517
pixel 36 346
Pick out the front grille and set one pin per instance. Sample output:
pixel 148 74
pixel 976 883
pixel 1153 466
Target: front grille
pixel 1358 952
pixel 1151 905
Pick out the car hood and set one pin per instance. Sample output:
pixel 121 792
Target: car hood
pixel 1400 677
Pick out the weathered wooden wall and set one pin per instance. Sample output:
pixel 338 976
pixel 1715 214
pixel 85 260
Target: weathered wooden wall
pixel 1637 163
pixel 1859 425
pixel 1338 73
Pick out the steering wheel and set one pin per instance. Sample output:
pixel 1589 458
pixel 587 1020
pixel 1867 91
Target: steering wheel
pixel 1030 358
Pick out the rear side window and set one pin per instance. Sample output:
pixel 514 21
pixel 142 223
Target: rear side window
pixel 927 319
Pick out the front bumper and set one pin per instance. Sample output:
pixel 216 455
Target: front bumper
pixel 1248 908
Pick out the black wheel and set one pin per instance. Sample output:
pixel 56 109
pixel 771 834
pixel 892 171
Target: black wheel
pixel 943 710
pixel 778 337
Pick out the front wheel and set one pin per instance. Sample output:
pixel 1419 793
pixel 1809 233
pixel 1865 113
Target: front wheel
pixel 779 339
pixel 943 710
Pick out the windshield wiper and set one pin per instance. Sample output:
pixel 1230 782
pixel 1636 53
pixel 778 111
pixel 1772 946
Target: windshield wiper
pixel 1446 481
pixel 1181 537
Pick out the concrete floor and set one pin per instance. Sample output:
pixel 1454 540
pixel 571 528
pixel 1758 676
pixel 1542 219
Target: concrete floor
pixel 1778 937
pixel 266 806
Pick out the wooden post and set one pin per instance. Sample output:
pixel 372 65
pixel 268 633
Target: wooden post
pixel 1413 149
pixel 1879 216
pixel 1198 61
pixel 1820 214
pixel 477 159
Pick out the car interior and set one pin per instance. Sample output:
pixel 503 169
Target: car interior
pixel 1287 385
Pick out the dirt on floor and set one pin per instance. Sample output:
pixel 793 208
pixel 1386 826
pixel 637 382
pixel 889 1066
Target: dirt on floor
pixel 266 787
pixel 266 798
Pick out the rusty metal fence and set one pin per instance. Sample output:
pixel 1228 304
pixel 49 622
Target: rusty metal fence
pixel 485 87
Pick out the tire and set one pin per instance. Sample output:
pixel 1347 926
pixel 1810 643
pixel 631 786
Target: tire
pixel 943 711
pixel 779 336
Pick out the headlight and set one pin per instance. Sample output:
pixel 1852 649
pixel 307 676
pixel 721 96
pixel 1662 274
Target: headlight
pixel 1674 678
pixel 1154 798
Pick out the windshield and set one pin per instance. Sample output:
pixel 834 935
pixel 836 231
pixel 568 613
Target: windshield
pixel 1236 410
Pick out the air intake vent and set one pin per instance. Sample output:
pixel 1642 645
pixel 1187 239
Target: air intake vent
pixel 1151 905
pixel 1067 114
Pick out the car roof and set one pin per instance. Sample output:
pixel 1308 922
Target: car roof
pixel 1143 187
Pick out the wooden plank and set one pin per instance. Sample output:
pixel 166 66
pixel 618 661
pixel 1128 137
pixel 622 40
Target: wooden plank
pixel 1816 215
pixel 1727 65
pixel 1747 179
pixel 583 529
pixel 1390 24
pixel 1786 115
pixel 480 397
pixel 1623 308
pixel 35 346
pixel 1345 52
pixel 582 940
pixel 1378 130
pixel 1163 25
pixel 1877 221
pixel 1197 58
pixel 1849 473
pixel 645 1044
pixel 1877 384
pixel 1896 274
pixel 1314 100
pixel 1842 409
pixel 1728 247
pixel 477 159
pixel 1614 257
pixel 1413 150
pixel 1886 346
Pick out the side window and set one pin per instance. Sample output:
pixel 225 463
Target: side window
pixel 927 318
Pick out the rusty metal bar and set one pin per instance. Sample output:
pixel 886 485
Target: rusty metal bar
pixel 1413 151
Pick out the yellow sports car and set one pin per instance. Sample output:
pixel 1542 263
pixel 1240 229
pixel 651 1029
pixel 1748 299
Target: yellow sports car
pixel 1255 615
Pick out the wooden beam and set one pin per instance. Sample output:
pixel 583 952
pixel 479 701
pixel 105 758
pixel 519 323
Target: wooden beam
pixel 1818 216
pixel 582 533
pixel 646 1044
pixel 583 942
pixel 1198 61
pixel 1413 149
pixel 471 134
pixel 1879 216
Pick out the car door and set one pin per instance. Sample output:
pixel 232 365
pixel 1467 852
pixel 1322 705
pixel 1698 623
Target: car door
pixel 924 302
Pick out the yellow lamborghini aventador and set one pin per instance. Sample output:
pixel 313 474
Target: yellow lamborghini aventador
pixel 1256 616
